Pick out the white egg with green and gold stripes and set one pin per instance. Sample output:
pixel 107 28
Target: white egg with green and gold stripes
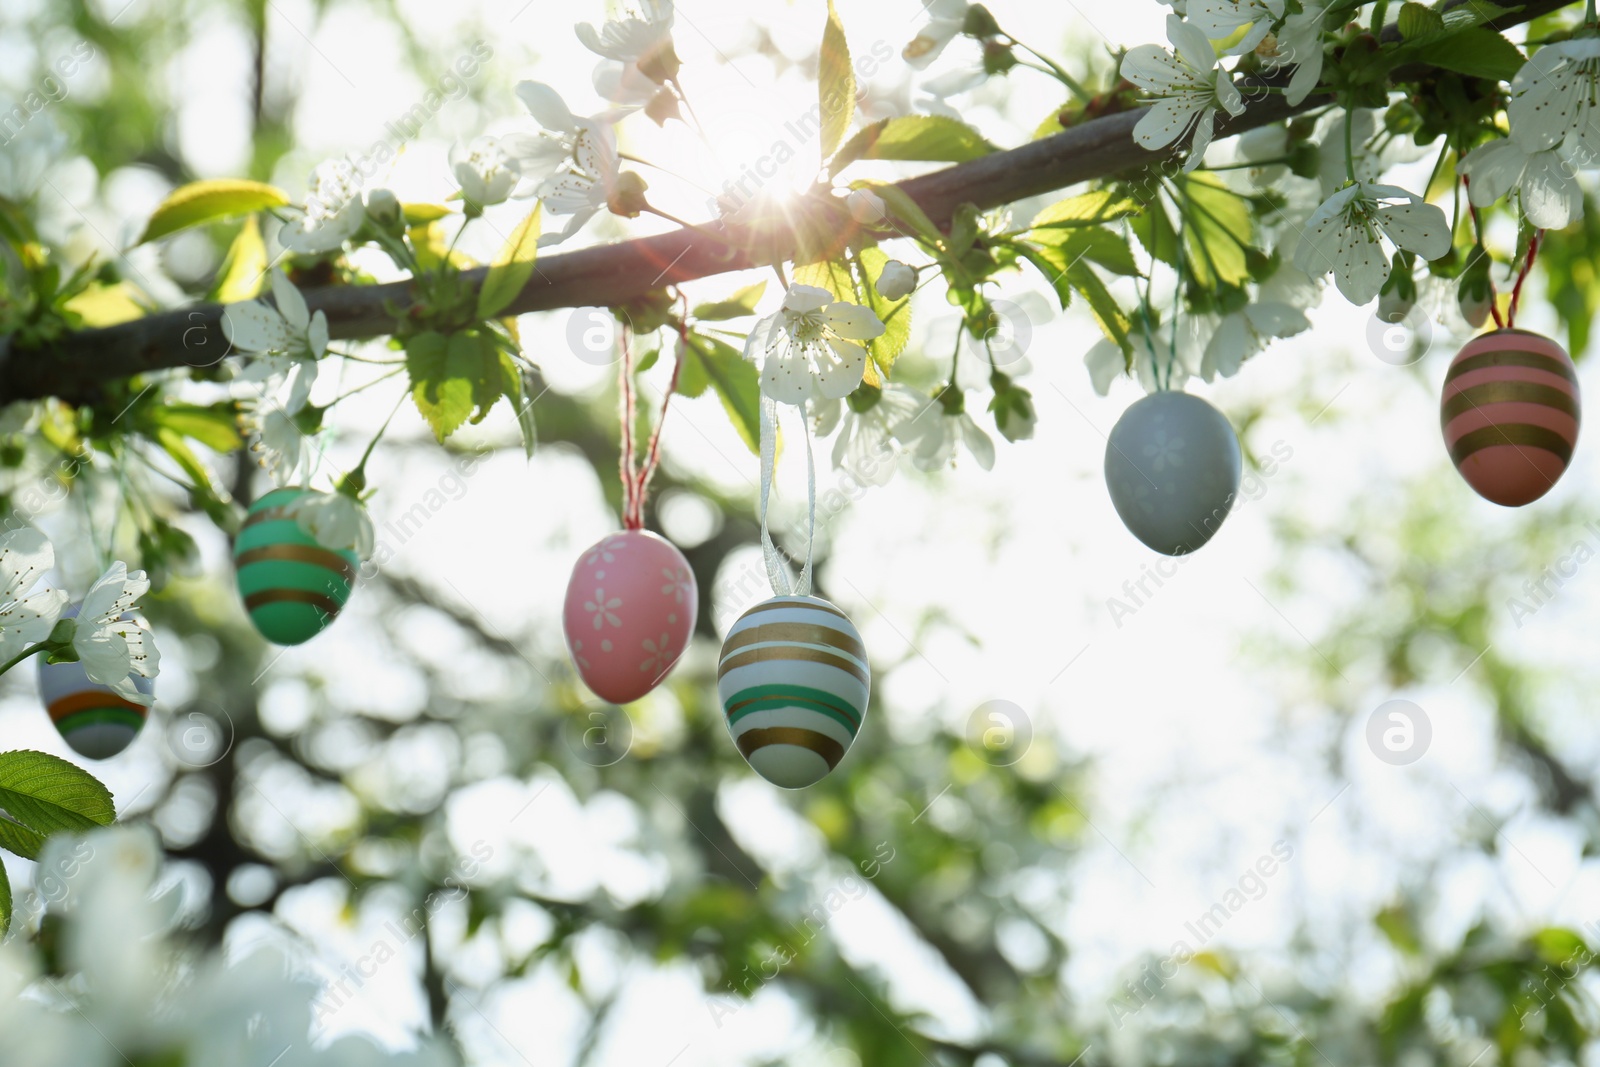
pixel 793 682
pixel 94 720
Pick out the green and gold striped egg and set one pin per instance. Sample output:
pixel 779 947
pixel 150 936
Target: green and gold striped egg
pixel 793 680
pixel 292 586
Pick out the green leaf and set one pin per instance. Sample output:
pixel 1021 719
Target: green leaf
pixel 735 379
pixel 520 381
pixel 421 213
pixel 245 268
pixel 452 375
pixel 904 209
pixel 14 837
pixel 1220 223
pixel 1153 227
pixel 931 138
pixel 213 425
pixel 1087 209
pixel 1046 259
pixel 737 306
pixel 5 901
pixel 1477 52
pixel 207 201
pixel 1096 244
pixel 512 267
pixel 1107 312
pixel 48 795
pixel 1416 19
pixel 836 84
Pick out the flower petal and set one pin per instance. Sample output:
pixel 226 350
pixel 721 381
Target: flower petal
pixel 546 106
pixel 803 298
pixel 853 321
pixel 841 375
pixel 1551 195
pixel 254 327
pixel 1492 170
pixel 291 305
pixel 1416 227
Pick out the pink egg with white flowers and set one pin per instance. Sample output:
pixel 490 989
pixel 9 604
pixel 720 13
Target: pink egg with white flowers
pixel 629 614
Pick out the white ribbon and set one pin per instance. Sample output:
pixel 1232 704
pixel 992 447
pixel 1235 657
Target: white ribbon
pixel 777 570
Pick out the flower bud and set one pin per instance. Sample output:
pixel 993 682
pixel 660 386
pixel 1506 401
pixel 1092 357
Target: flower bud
pixel 1475 292
pixel 866 207
pixel 897 280
pixel 383 207
pixel 1399 293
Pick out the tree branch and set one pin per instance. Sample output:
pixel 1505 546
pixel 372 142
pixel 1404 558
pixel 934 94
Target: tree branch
pixel 610 275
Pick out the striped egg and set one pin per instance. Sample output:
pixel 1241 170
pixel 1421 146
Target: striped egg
pixel 292 586
pixel 1510 415
pixel 793 680
pixel 93 719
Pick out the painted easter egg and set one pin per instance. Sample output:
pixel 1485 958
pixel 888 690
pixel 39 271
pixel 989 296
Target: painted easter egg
pixel 630 610
pixel 1510 415
pixel 793 680
pixel 1173 468
pixel 292 586
pixel 94 720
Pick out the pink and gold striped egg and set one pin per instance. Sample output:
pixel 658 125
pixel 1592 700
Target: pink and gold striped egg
pixel 1510 415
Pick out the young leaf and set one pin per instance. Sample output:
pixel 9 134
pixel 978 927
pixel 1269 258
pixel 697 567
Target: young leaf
pixel 520 382
pixel 245 268
pixel 105 305
pixel 931 138
pixel 17 838
pixel 5 901
pixel 207 201
pixel 904 209
pixel 214 425
pixel 1086 209
pixel 48 795
pixel 512 267
pixel 741 303
pixel 1053 266
pixel 450 376
pixel 1477 52
pixel 420 213
pixel 1417 19
pixel 1094 243
pixel 735 379
pixel 836 84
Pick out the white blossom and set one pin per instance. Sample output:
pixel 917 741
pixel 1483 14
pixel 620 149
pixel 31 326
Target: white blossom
pixel 486 172
pixel 333 211
pixel 1186 87
pixel 585 184
pixel 280 446
pixel 285 340
pixel 1220 19
pixel 336 520
pixel 1346 235
pixel 1554 96
pixel 936 434
pixel 111 645
pixel 1297 44
pixel 808 348
pixel 1279 311
pixel 26 618
pixel 945 20
pixel 865 445
pixel 1546 182
pixel 640 37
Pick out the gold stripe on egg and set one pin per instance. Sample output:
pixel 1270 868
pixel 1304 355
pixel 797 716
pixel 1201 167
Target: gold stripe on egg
pixel 1512 358
pixel 327 605
pixel 273 514
pixel 320 557
pixel 803 632
pixel 823 745
pixel 1514 434
pixel 1508 393
pixel 792 654
pixel 793 605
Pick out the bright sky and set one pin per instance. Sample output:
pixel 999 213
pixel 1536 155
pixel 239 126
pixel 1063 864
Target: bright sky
pixel 1205 752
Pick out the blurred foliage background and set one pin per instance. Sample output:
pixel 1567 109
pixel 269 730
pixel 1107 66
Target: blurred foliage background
pixel 593 890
